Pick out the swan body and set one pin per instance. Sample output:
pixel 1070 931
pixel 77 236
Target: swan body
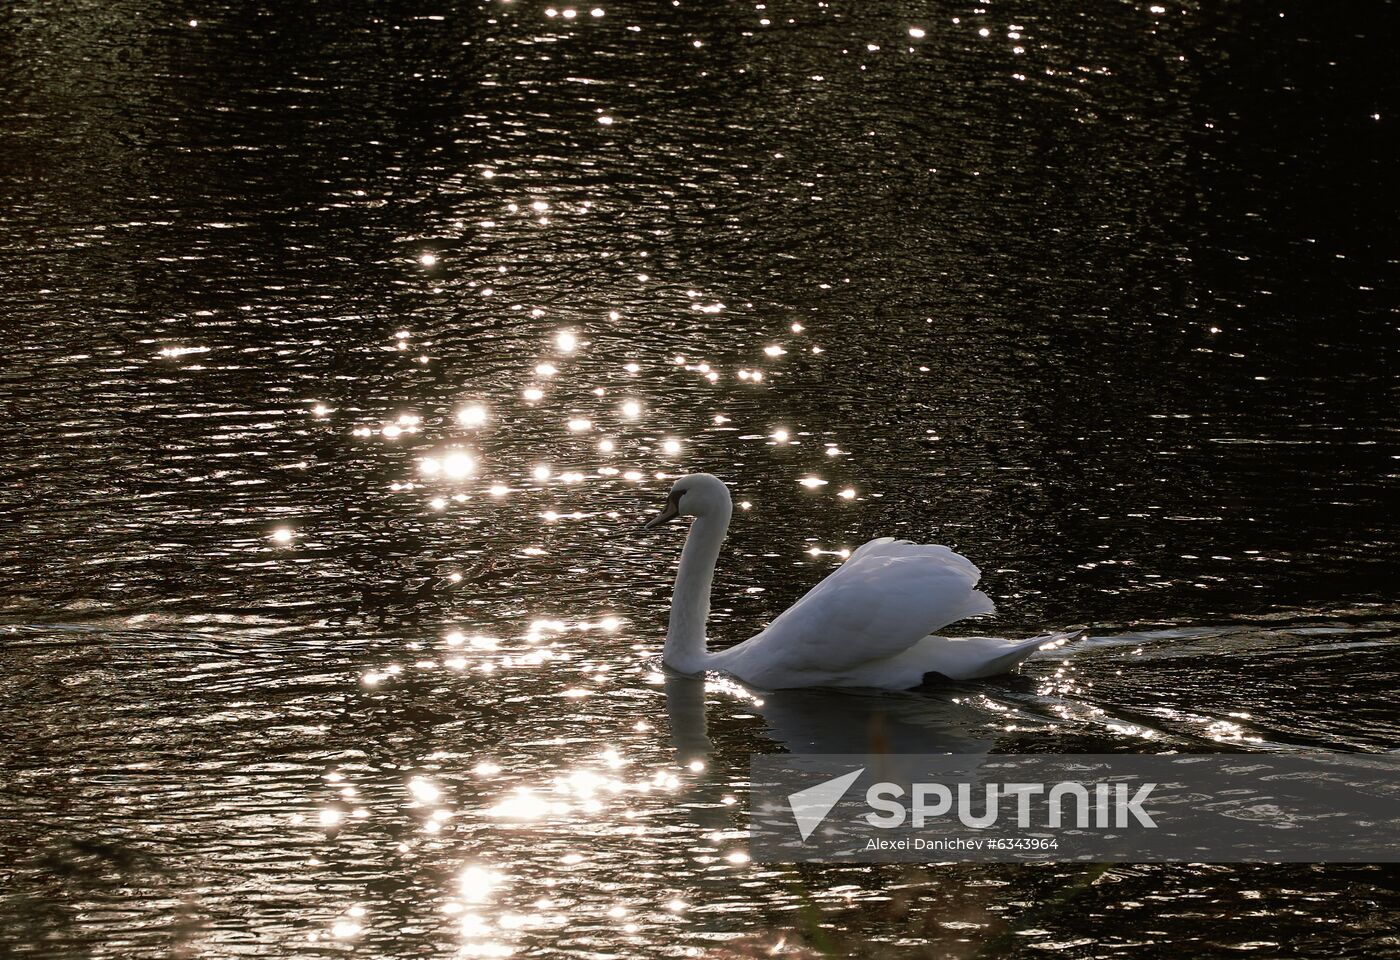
pixel 870 623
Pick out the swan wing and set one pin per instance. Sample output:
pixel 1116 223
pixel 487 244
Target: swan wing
pixel 885 598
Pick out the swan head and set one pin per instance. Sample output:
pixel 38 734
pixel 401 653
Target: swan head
pixel 694 495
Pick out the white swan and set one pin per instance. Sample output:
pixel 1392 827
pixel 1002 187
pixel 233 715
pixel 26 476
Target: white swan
pixel 866 625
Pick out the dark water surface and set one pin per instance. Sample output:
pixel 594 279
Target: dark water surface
pixel 298 662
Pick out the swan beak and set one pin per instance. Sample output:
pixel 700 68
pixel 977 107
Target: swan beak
pixel 671 511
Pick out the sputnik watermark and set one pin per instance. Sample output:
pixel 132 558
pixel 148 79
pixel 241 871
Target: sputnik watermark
pixel 1110 805
pixel 810 806
pixel 1101 805
pixel 1218 807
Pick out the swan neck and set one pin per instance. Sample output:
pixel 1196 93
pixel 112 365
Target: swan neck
pixel 690 604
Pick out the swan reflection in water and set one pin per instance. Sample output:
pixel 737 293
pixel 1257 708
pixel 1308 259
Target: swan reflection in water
pixel 814 720
pixel 898 727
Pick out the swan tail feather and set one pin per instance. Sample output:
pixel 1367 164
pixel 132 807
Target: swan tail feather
pixel 1015 656
pixel 976 658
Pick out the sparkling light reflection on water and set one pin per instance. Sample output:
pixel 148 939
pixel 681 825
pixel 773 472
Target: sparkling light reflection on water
pixel 345 372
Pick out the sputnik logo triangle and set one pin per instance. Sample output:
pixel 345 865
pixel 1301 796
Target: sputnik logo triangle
pixel 810 806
